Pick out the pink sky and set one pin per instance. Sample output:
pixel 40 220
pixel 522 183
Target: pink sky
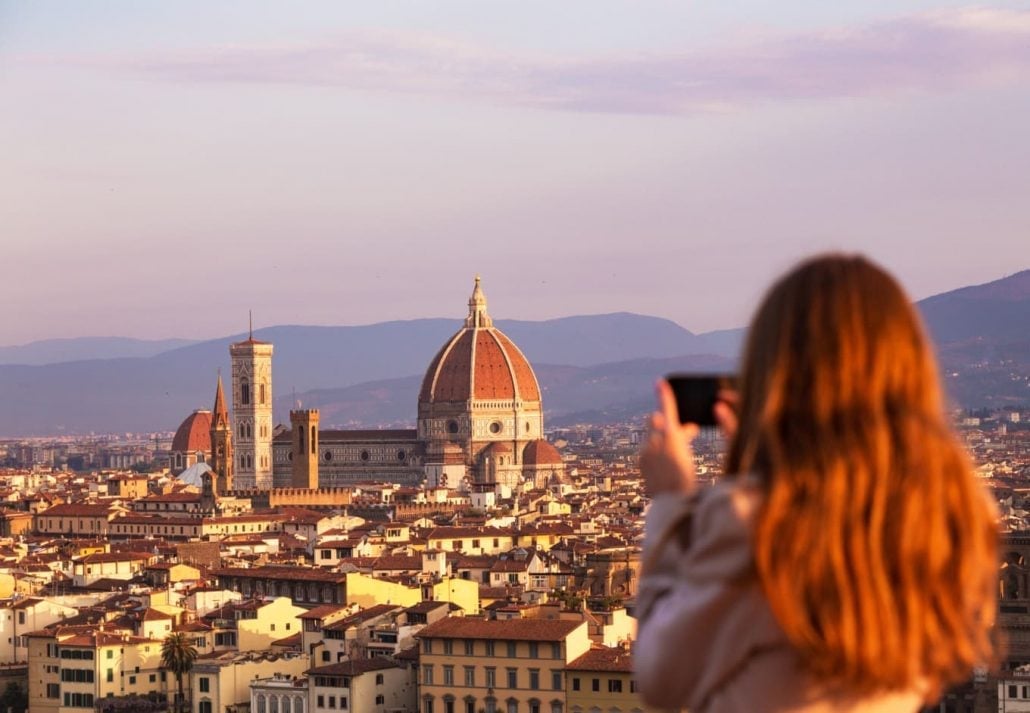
pixel 165 172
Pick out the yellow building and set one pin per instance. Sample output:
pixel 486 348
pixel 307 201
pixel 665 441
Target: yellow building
pixel 366 685
pixel 471 540
pixel 221 682
pixel 28 614
pixel 517 666
pixel 74 667
pixel 602 679
pixel 367 591
pixel 76 520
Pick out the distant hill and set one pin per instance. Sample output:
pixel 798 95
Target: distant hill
pixel 158 392
pixel 54 351
pixel 995 312
pixel 590 367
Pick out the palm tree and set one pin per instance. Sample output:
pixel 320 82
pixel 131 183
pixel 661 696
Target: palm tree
pixel 178 655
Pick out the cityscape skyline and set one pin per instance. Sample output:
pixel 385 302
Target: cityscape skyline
pixel 317 167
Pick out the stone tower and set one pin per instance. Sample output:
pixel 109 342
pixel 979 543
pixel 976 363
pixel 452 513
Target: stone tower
pixel 252 413
pixel 304 448
pixel 221 443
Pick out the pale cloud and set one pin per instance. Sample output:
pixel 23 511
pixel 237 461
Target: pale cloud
pixel 937 51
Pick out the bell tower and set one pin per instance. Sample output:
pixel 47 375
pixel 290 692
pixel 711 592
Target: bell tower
pixel 252 413
pixel 221 444
pixel 304 448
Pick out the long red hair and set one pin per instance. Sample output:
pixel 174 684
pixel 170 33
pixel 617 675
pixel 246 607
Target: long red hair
pixel 875 546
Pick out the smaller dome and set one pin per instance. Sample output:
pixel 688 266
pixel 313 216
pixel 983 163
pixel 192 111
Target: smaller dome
pixel 194 475
pixel 540 452
pixel 194 434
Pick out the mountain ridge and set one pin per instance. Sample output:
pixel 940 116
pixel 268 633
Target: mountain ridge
pixel 980 333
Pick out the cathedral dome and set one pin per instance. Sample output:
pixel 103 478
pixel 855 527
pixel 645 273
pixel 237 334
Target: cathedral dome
pixel 479 363
pixel 540 452
pixel 194 434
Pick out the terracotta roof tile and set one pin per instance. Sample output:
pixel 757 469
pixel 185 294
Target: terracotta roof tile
pixel 509 629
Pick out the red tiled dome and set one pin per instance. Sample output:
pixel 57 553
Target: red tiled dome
pixel 540 452
pixel 479 362
pixel 194 434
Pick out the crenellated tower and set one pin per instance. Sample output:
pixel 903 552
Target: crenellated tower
pixel 221 443
pixel 252 413
pixel 304 448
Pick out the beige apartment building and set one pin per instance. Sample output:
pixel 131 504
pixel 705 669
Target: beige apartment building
pixel 470 665
pixel 70 670
pixel 23 616
pixel 360 685
pixel 221 682
pixel 602 679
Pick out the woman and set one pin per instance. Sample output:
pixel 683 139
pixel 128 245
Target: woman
pixel 847 561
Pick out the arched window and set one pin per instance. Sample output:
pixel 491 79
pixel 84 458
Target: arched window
pixel 273 704
pixel 298 705
pixel 261 393
pixel 260 704
pixel 244 392
pixel 287 708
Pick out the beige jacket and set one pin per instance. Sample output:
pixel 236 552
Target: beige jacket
pixel 708 640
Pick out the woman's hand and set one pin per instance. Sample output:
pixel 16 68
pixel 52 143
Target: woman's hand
pixel 666 459
pixel 726 412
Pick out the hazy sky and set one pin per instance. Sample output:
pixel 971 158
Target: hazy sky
pixel 168 166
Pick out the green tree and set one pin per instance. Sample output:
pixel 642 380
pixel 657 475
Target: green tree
pixel 178 655
pixel 14 699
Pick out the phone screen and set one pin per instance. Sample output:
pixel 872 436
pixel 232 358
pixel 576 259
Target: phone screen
pixel 697 394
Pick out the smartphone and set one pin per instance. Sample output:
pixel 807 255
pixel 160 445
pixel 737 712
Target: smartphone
pixel 697 394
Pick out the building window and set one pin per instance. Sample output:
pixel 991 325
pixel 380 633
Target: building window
pixel 614 685
pixel 332 702
pixel 575 684
pixel 379 679
pixel 470 647
pixel 380 700
pixel 534 679
pixel 205 707
pixel 427 705
pixel 491 677
pixel 513 678
pixel 513 706
pixel 555 651
pixel 448 647
pixel 427 646
pixel 511 644
pixel 53 690
pixel 534 650
pixel 470 675
pixel 244 392
pixel 595 685
pixel 427 675
pixel 205 684
pixel 448 675
pixel 556 680
pixel 320 702
pixel 489 648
